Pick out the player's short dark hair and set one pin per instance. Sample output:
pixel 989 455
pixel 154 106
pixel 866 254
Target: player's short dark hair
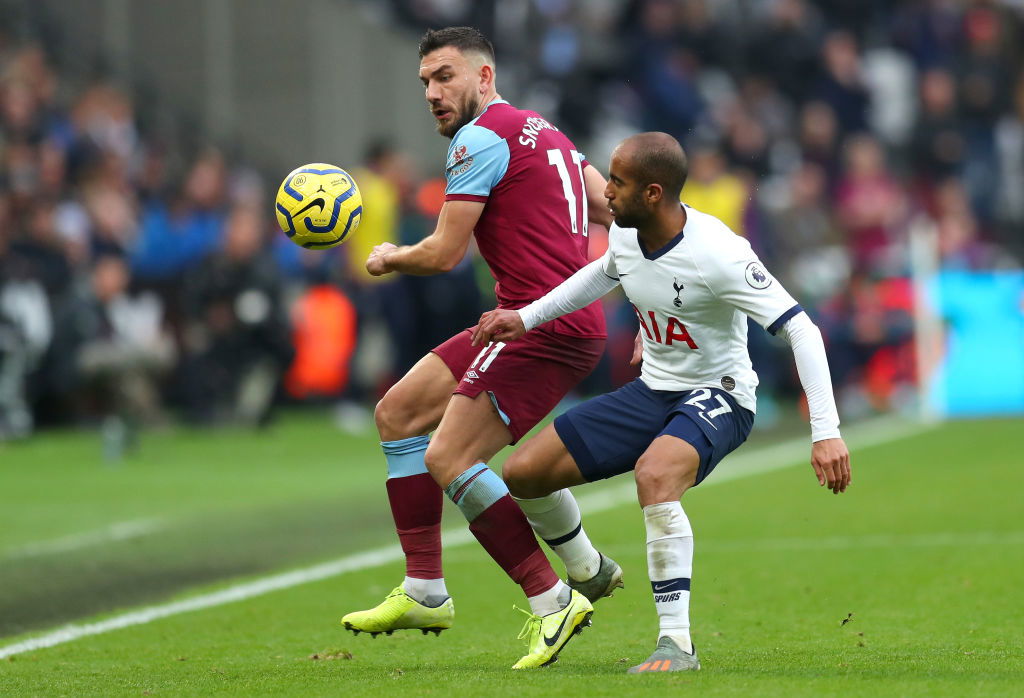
pixel 659 159
pixel 462 38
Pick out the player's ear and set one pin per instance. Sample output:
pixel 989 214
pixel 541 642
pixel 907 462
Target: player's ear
pixel 486 77
pixel 655 192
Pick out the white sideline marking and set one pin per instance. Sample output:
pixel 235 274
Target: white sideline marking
pixel 744 464
pixel 121 530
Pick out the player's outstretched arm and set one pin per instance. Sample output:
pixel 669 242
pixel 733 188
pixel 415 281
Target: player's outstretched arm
pixel 829 455
pixel 438 252
pixel 578 291
pixel 736 275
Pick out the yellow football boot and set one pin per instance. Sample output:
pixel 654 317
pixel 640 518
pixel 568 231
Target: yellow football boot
pixel 399 611
pixel 547 635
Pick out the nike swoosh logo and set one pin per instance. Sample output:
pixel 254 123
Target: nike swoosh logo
pixel 315 202
pixel 662 587
pixel 705 418
pixel 550 641
pixel 623 274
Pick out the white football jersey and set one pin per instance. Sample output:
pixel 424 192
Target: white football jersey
pixel 692 297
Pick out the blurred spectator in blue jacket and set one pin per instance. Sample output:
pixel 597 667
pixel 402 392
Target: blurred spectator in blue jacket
pixel 176 236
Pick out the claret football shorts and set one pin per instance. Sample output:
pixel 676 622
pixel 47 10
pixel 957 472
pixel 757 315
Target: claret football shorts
pixel 606 435
pixel 526 378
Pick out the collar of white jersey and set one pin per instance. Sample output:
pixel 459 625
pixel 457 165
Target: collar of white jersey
pixel 668 246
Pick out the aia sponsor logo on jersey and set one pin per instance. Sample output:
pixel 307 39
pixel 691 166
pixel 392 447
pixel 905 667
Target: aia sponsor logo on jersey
pixel 675 331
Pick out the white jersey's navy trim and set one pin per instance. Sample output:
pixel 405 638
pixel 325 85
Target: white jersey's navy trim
pixel 664 249
pixel 784 318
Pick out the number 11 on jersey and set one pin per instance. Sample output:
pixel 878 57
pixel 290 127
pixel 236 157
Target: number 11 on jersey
pixel 557 158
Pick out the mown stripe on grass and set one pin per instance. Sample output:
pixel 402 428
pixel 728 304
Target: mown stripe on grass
pixel 117 531
pixel 740 465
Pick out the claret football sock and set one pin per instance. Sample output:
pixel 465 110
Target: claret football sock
pixel 416 505
pixel 556 519
pixel 500 526
pixel 670 564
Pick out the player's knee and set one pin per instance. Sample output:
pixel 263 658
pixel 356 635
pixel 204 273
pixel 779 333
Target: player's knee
pixel 384 416
pixel 516 474
pixel 444 463
pixel 648 476
pixel 395 417
pixel 660 481
pixel 433 458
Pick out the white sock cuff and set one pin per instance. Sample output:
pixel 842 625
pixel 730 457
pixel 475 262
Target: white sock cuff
pixel 555 518
pixel 666 520
pixel 541 504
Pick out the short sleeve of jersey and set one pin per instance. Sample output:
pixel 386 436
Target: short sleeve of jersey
pixel 736 275
pixel 477 160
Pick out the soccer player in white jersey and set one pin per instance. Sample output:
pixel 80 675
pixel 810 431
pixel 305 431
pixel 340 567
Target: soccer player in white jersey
pixel 693 283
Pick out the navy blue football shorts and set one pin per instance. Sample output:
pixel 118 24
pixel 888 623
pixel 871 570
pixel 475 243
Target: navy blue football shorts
pixel 606 435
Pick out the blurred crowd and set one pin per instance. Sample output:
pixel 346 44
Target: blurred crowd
pixel 139 279
pixel 138 283
pixel 825 131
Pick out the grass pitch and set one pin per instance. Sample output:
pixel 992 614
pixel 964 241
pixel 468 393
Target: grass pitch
pixel 907 585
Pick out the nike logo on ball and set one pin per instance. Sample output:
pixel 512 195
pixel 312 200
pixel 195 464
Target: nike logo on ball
pixel 315 202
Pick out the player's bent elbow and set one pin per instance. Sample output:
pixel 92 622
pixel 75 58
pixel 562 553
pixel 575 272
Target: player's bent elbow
pixel 442 261
pixel 445 265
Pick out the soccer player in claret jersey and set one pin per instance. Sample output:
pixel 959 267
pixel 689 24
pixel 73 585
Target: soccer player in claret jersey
pixel 692 283
pixel 522 187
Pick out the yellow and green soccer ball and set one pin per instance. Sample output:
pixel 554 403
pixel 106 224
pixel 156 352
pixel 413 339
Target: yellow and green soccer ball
pixel 318 206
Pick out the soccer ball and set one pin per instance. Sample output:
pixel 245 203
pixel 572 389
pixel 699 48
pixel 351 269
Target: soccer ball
pixel 318 205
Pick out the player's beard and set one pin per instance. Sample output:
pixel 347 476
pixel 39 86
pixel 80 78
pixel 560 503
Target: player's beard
pixel 631 212
pixel 465 114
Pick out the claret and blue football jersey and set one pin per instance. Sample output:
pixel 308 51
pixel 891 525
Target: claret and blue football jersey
pixel 533 230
